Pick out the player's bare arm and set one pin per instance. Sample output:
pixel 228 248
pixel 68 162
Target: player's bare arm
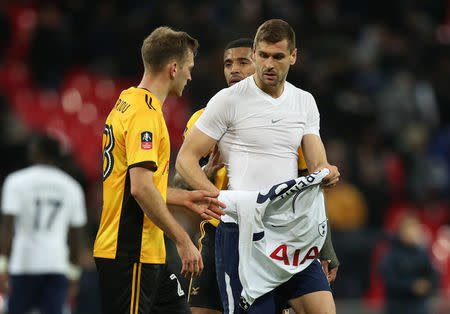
pixel 203 203
pixel 74 238
pixel 153 205
pixel 316 159
pixel 6 234
pixel 196 145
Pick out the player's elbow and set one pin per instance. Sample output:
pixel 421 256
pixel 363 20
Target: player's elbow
pixel 141 182
pixel 135 191
pixel 138 191
pixel 180 162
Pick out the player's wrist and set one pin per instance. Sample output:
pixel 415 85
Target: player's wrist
pixel 73 272
pixel 3 264
pixel 182 239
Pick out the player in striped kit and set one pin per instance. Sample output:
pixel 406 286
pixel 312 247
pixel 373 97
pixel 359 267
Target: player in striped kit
pixel 129 248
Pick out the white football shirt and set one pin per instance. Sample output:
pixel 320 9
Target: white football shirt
pixel 281 231
pixel 259 135
pixel 45 202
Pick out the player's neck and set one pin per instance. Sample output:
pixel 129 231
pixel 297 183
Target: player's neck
pixel 156 84
pixel 272 91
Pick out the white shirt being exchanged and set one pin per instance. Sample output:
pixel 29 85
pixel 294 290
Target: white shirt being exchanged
pixel 259 135
pixel 45 202
pixel 281 231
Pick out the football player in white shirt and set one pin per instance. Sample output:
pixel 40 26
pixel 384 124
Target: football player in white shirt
pixel 43 211
pixel 259 124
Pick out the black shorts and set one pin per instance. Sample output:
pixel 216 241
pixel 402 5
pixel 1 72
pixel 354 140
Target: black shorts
pixel 203 290
pixel 47 292
pixel 128 287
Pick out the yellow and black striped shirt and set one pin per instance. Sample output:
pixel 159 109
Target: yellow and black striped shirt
pixel 135 134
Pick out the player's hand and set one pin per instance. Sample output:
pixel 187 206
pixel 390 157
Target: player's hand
pixel 330 273
pixel 205 204
pixel 325 268
pixel 73 290
pixel 191 259
pixel 421 286
pixel 4 283
pixel 331 179
pixel 215 163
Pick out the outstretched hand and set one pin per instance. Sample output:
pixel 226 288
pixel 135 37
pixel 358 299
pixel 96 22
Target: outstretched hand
pixel 205 204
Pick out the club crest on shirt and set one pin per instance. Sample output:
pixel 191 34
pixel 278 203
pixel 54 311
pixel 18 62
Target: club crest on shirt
pixel 323 228
pixel 146 140
pixel 195 290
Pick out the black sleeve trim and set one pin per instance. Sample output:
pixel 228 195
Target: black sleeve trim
pixel 151 165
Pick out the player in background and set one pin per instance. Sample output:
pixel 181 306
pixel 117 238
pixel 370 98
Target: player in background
pixel 129 249
pixel 204 296
pixel 259 124
pixel 43 212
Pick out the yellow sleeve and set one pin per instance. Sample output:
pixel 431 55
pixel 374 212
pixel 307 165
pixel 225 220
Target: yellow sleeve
pixel 301 160
pixel 142 138
pixel 221 179
pixel 192 121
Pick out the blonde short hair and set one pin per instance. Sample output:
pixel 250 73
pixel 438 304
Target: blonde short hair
pixel 163 45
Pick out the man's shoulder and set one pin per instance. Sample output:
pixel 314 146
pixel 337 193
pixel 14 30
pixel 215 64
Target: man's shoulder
pixel 196 115
pixel 38 172
pixel 239 89
pixel 298 91
pixel 55 173
pixel 18 176
pixel 242 87
pixel 192 121
pixel 66 177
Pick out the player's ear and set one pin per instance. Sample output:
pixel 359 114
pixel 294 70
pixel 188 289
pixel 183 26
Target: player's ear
pixel 173 68
pixel 293 56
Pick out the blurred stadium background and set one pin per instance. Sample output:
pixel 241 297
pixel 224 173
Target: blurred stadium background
pixel 379 70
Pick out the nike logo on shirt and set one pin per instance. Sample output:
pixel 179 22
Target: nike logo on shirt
pixel 275 121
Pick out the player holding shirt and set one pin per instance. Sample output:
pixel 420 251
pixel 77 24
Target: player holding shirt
pixel 129 249
pixel 259 124
pixel 204 296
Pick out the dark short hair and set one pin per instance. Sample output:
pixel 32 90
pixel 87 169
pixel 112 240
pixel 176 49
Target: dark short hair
pixel 275 30
pixel 240 42
pixel 163 45
pixel 48 148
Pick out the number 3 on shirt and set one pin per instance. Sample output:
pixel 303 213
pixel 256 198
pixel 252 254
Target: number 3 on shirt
pixel 108 158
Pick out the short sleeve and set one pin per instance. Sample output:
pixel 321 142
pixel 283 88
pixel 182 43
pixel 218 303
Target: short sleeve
pixel 142 138
pixel 78 205
pixel 192 121
pixel 11 196
pixel 217 116
pixel 312 117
